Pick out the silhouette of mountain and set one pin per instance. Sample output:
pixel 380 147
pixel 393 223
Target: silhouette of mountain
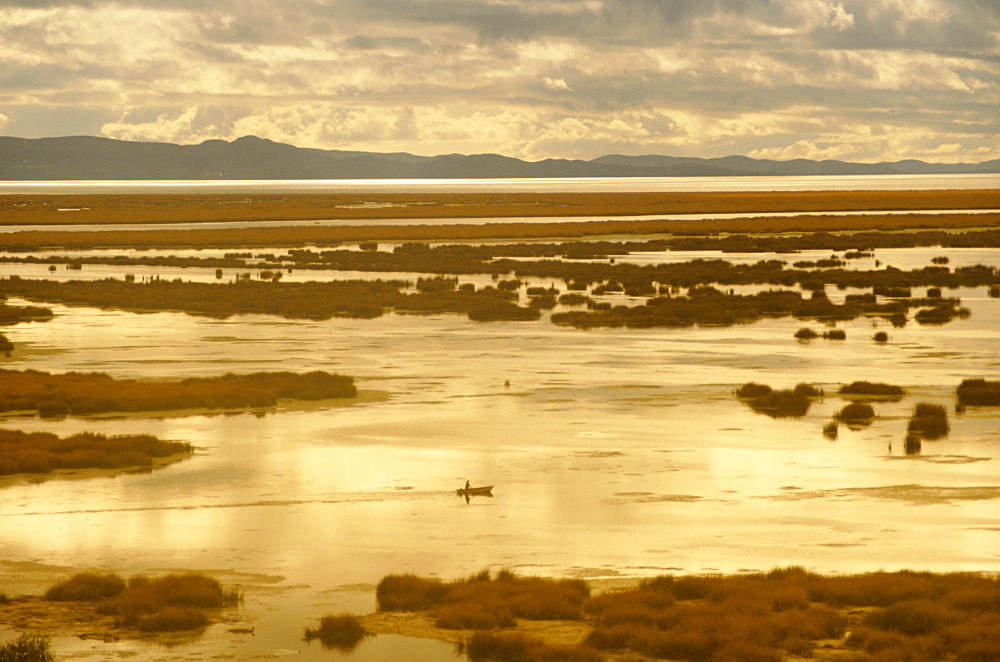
pixel 249 157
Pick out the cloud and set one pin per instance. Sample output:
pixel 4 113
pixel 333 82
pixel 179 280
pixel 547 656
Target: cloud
pixel 555 83
pixel 865 79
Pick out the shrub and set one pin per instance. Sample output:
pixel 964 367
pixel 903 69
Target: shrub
pixel 86 587
pixel 26 648
pixel 835 334
pixel 805 333
pixel 880 337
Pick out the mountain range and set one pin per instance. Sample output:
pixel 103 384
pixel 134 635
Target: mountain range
pixel 91 158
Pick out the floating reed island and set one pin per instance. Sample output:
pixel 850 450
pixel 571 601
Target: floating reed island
pixel 77 394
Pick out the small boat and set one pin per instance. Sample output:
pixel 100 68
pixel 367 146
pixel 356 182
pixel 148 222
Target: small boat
pixel 486 490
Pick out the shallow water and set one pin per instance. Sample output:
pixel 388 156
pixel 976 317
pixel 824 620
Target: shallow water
pixel 540 184
pixel 613 452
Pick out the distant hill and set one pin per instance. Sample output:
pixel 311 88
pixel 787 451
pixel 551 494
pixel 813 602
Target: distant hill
pixel 90 158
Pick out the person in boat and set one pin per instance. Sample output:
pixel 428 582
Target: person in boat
pixel 467 486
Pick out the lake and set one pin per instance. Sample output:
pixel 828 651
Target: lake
pixel 538 185
pixel 614 453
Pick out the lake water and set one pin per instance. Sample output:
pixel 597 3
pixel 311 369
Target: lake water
pixel 527 185
pixel 614 453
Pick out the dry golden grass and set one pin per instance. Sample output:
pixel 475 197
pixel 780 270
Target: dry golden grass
pixel 117 209
pixel 43 209
pixel 162 604
pixel 765 617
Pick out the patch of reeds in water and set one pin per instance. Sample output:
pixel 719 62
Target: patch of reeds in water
pixel 778 403
pixel 482 601
pixel 341 632
pixel 930 421
pixel 75 393
pixel 872 390
pixel 979 392
pixel 44 452
pixel 169 603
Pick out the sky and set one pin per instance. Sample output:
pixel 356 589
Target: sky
pixel 855 80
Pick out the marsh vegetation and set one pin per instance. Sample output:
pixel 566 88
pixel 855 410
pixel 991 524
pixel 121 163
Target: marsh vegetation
pixel 168 603
pixel 341 632
pixel 78 394
pixel 759 616
pixel 781 403
pixel 44 452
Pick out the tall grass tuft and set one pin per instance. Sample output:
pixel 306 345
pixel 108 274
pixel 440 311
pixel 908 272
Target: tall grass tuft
pixel 930 421
pixel 342 632
pixel 26 648
pixel 86 587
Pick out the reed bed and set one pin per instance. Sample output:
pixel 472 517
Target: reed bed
pixel 173 602
pixel 111 209
pixel 44 452
pixel 762 617
pixel 482 601
pixel 74 393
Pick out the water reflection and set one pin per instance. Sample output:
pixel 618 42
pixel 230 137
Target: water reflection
pixel 618 452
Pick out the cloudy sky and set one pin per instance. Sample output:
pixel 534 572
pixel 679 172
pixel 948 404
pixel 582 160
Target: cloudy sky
pixel 858 80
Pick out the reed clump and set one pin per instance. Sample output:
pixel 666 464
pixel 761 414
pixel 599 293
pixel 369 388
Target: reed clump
pixel 856 414
pixel 27 648
pixel 930 421
pixel 44 452
pixel 783 403
pixel 342 632
pixel 872 390
pixel 78 393
pixel 484 601
pixel 169 603
pixel 980 392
